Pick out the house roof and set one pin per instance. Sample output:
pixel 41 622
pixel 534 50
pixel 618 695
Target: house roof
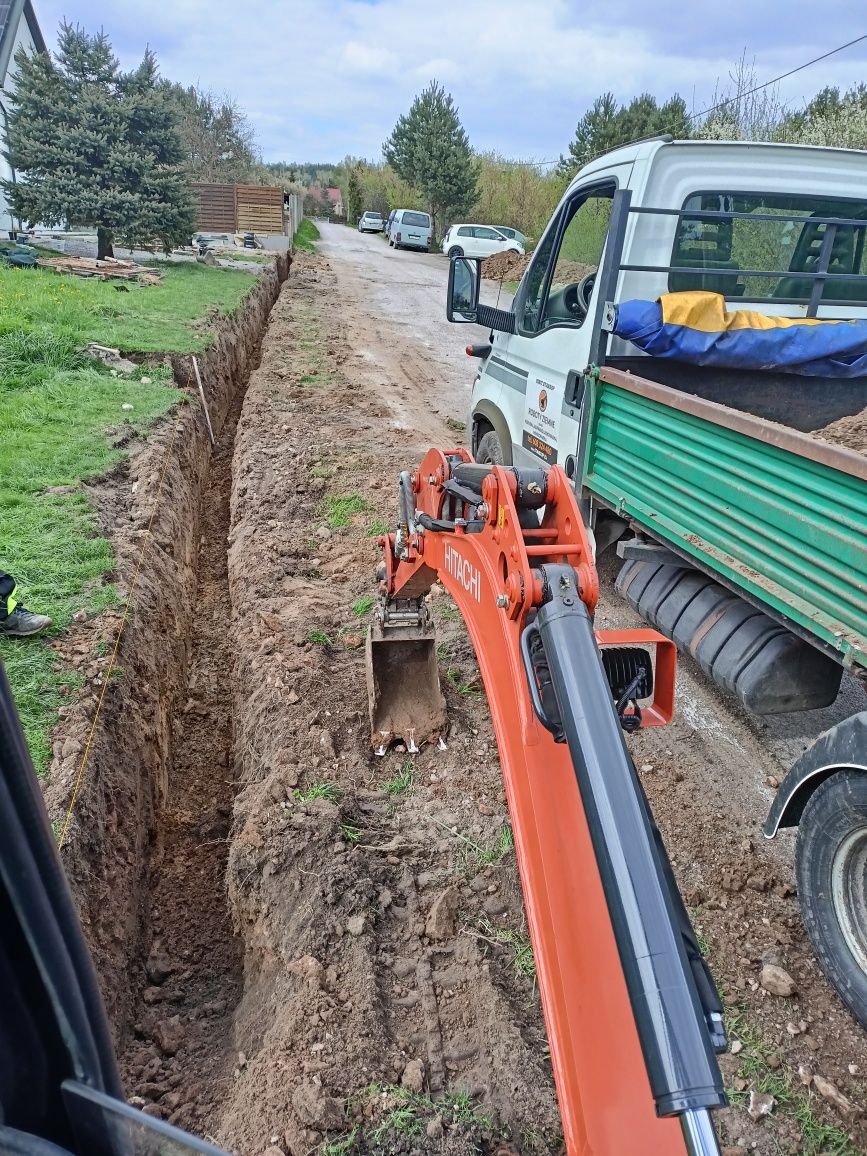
pixel 11 12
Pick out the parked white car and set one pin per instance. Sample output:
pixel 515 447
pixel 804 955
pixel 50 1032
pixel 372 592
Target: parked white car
pixel 477 241
pixel 370 223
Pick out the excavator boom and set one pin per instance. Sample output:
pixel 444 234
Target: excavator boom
pixel 632 1015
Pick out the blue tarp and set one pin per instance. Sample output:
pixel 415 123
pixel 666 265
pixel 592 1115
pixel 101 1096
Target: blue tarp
pixel 695 327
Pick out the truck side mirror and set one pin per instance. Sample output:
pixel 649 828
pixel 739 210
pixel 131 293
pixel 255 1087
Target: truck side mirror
pixel 462 303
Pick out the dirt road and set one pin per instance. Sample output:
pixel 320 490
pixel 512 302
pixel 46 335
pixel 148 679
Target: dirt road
pixel 382 988
pixel 712 772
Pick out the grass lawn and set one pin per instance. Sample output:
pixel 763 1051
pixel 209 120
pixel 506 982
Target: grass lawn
pixel 55 406
pixel 147 319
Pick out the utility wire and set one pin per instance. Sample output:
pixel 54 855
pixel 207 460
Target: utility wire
pixel 739 96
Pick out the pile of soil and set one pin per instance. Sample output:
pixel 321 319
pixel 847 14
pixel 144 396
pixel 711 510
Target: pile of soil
pixel 506 266
pixel 847 431
pixel 512 266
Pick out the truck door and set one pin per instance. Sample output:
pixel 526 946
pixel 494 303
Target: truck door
pixel 551 344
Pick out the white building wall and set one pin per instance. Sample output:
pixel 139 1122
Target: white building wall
pixel 25 40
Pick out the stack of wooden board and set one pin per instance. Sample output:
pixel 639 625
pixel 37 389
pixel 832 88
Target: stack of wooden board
pixel 108 269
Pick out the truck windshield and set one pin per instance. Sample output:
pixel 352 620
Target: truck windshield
pixel 723 248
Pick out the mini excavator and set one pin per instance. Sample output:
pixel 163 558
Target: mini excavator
pixel 633 1017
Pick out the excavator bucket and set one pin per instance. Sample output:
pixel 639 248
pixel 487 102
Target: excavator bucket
pixel 403 687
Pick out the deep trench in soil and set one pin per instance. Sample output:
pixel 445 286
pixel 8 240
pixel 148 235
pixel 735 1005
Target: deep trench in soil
pixel 191 981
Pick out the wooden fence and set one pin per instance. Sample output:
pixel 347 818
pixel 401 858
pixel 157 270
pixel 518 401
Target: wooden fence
pixel 239 208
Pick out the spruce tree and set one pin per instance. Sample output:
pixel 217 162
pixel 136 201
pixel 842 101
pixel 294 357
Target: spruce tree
pixel 429 149
pixel 354 196
pixel 96 147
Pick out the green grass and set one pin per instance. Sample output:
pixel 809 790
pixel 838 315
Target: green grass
pixel 148 318
pixel 476 856
pixel 338 511
pixel 817 1138
pixel 341 1147
pixel 407 1113
pixel 320 638
pixel 317 791
pixel 402 780
pixel 351 833
pixel 376 527
pixel 306 235
pixel 363 605
pixel 517 942
pixel 52 434
pixel 55 405
pixel 463 686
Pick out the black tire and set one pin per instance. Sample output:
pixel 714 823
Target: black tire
pixel 831 863
pixel 490 450
pixel 456 251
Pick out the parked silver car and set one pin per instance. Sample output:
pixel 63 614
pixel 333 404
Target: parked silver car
pixel 370 223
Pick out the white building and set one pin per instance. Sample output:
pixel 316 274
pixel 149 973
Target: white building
pixel 18 29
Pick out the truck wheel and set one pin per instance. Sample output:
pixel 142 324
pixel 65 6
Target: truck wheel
pixel 456 251
pixel 490 451
pixel 831 862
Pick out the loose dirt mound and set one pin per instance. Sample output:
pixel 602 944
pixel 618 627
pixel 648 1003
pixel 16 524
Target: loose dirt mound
pixel 506 266
pixel 390 992
pixel 512 266
pixel 847 431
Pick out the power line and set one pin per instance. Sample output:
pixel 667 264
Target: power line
pixel 776 79
pixel 741 95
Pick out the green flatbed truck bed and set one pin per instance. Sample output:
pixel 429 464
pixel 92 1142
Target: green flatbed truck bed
pixel 777 515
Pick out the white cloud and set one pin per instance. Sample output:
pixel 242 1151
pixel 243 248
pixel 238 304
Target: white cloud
pixel 323 78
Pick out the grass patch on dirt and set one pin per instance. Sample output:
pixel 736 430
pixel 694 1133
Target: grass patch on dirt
pixel 52 435
pixel 363 605
pixel 306 236
pixel 396 1116
pixel 339 510
pixel 402 781
pixel 171 316
pixel 317 791
pixel 517 943
pixel 756 1073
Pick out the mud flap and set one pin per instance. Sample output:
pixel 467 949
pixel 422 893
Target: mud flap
pixel 403 687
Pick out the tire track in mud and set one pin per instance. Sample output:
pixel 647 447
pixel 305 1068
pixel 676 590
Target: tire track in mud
pixel 389 992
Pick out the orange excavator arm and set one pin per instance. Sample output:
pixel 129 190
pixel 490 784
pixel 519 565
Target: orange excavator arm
pixel 632 1015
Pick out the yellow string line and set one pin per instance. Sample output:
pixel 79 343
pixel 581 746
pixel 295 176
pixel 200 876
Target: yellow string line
pixel 145 543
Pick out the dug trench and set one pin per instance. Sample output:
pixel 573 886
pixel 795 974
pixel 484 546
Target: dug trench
pixel 308 949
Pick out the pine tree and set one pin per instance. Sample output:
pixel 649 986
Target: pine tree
pixel 605 126
pixel 430 150
pixel 93 146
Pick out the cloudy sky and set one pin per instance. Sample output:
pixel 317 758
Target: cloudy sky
pixel 322 79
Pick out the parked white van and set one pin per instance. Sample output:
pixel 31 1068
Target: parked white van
pixel 411 229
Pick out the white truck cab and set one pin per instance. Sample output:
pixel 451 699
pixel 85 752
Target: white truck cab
pixel 526 401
